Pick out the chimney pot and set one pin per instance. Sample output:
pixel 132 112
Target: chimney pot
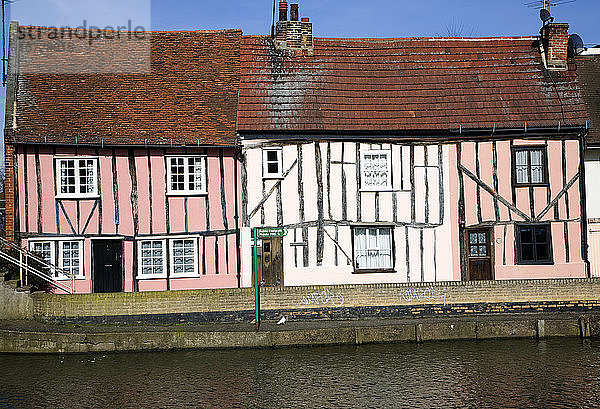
pixel 305 19
pixel 283 10
pixel 294 12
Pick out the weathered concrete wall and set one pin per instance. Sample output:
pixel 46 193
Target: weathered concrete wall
pixel 345 301
pixel 15 305
pixel 352 332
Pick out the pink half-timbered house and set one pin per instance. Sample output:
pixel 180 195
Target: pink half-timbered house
pixel 412 159
pixel 128 180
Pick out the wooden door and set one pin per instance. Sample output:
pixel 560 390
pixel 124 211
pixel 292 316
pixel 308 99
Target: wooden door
pixel 108 266
pixel 479 251
pixel 270 262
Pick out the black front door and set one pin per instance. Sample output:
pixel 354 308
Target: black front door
pixel 108 266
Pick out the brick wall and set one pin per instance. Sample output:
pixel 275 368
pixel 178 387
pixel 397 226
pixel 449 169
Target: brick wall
pixel 9 190
pixel 556 36
pixel 345 301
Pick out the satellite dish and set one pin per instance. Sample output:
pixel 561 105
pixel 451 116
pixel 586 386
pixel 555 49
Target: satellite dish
pixel 545 16
pixel 576 46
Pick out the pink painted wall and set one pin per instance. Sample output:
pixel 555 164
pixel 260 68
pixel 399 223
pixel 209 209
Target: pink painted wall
pixel 152 216
pixel 564 265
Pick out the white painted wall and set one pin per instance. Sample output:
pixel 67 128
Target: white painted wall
pixel 592 177
pixel 434 263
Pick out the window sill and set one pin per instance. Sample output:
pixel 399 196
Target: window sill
pixel 374 271
pixel 77 197
pixel 195 275
pixel 68 279
pixel 382 189
pixel 152 277
pixel 184 194
pixel 535 263
pixel 280 177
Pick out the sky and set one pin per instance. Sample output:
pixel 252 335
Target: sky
pixel 331 18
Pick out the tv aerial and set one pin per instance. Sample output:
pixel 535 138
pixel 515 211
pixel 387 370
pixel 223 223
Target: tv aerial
pixel 545 8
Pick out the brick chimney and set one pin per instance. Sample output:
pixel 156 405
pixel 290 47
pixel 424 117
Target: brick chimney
pixel 283 9
pixel 293 34
pixel 555 40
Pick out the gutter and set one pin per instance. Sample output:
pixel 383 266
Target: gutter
pixel 421 135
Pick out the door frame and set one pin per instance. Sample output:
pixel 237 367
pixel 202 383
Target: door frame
pixel 93 265
pixel 491 240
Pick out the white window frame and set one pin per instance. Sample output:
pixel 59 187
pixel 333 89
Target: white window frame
pixel 173 274
pixel 52 261
pixel 140 274
pixel 57 164
pixel 61 243
pixel 363 177
pixel 265 161
pixel 203 176
pixel 357 250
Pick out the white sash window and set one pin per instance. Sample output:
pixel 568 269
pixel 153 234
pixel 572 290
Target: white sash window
pixel 70 258
pixel 373 248
pixel 77 177
pixel 272 163
pixel 186 175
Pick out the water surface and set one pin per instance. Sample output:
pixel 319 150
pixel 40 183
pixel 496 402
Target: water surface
pixel 508 374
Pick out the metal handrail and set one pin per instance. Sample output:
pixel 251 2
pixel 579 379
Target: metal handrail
pixel 29 269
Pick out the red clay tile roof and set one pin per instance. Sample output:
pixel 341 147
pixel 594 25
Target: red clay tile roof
pixel 588 69
pixel 189 96
pixel 387 85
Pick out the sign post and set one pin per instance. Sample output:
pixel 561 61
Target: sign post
pixel 263 233
pixel 256 290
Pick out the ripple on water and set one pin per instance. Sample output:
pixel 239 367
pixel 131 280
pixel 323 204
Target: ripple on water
pixel 511 373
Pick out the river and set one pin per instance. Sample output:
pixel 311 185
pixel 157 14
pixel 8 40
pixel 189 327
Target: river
pixel 470 374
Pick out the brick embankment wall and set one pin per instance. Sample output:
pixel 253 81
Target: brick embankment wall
pixel 325 302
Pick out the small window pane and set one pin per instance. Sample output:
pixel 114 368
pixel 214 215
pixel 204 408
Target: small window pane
pixel 272 168
pixel 482 238
pixel 482 251
pixel 527 252
pixel 526 235
pixel 474 251
pixel 473 238
pixel 540 234
pixel 542 252
pixel 272 156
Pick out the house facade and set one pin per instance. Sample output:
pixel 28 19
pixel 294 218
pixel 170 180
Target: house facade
pixel 128 181
pixel 411 160
pixel 385 160
pixel 588 69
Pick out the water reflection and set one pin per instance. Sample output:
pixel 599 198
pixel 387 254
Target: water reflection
pixel 515 373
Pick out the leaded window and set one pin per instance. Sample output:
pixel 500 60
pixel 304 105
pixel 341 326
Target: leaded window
pixel 376 170
pixel 478 244
pixel 184 257
pixel 152 259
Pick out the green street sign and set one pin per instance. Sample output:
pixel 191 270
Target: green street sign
pixel 270 232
